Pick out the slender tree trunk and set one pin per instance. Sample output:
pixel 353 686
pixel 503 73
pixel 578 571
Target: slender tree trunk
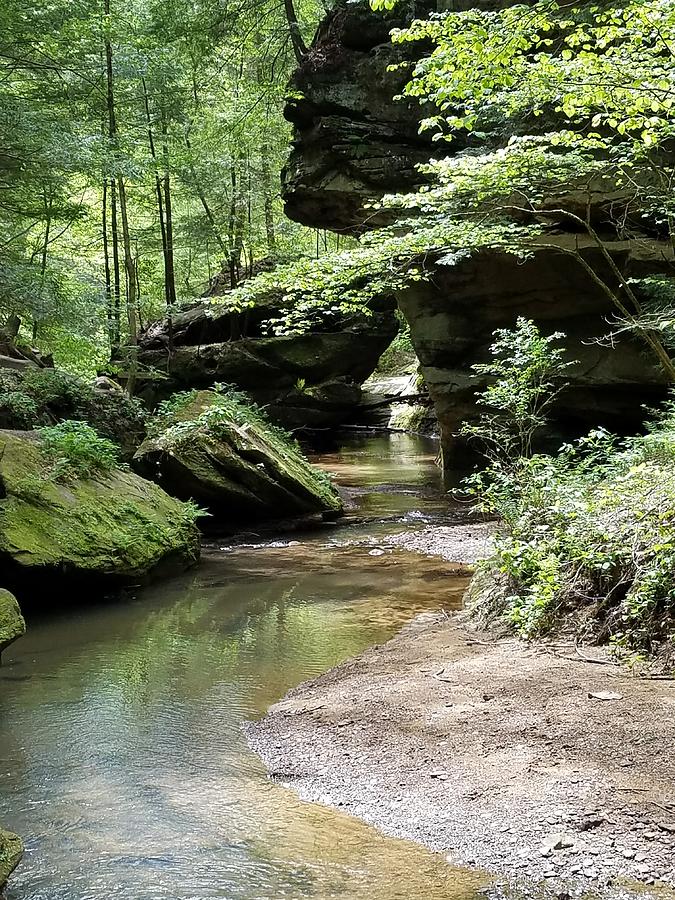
pixel 158 187
pixel 117 278
pixel 130 269
pixel 48 203
pixel 163 192
pixel 232 226
pixel 170 268
pixel 110 312
pixel 126 234
pixel 268 200
pixel 205 205
pixel 299 46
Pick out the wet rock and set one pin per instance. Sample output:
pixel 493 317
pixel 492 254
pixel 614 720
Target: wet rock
pixel 12 623
pixel 226 457
pixel 11 852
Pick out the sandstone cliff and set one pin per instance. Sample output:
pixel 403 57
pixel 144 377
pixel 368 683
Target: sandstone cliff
pixel 352 142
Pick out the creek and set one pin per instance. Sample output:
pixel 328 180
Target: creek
pixel 122 758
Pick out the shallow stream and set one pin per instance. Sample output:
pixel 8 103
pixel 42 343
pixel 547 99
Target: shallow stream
pixel 122 759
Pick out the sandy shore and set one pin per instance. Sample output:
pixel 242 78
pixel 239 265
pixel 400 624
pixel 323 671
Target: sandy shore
pixel 526 761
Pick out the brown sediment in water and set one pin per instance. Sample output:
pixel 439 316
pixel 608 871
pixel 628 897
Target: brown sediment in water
pixel 493 752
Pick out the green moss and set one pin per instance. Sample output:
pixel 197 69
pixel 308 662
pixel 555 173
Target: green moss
pixel 225 453
pixel 112 523
pixel 11 852
pixel 12 624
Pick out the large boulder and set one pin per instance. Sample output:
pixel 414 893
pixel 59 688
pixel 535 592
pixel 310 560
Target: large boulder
pixel 353 140
pixel 110 527
pixel 222 454
pixel 310 380
pixel 11 852
pixel 12 623
pixel 609 385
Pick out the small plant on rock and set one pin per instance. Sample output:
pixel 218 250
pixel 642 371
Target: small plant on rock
pixel 524 378
pixel 75 449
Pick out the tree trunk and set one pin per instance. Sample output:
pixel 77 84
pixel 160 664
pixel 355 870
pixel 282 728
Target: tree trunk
pixel 158 187
pixel 110 312
pixel 232 228
pixel 299 46
pixel 207 209
pixel 48 203
pixel 170 269
pixel 117 279
pixel 130 269
pixel 126 235
pixel 268 200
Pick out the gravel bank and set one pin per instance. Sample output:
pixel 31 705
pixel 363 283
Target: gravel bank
pixel 526 761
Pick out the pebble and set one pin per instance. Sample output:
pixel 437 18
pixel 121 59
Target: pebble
pixel 628 854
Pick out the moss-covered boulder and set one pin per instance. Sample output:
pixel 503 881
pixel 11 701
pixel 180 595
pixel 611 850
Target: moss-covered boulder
pixel 12 623
pixel 222 453
pixel 11 851
pixel 86 523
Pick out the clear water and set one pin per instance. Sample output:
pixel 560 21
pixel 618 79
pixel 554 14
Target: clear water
pixel 122 760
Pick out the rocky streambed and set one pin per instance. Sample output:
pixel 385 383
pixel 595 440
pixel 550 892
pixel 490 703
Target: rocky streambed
pixel 535 763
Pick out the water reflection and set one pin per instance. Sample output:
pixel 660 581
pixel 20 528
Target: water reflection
pixel 122 759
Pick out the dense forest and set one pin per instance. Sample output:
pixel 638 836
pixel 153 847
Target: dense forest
pixel 326 316
pixel 141 151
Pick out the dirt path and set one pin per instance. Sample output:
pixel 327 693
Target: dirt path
pixel 493 752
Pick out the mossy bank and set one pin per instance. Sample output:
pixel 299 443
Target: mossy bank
pixel 105 526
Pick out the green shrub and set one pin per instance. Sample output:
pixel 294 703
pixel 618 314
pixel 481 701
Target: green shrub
pixel 19 411
pixel 524 378
pixel 44 396
pixel 587 536
pixel 76 450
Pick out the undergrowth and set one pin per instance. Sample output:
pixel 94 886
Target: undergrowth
pixel 42 397
pixel 588 535
pixel 75 450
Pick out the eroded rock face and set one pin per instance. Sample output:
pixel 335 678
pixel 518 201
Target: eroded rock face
pixel 112 529
pixel 352 142
pixel 12 623
pixel 11 852
pixel 309 380
pixel 240 468
pixel 452 319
